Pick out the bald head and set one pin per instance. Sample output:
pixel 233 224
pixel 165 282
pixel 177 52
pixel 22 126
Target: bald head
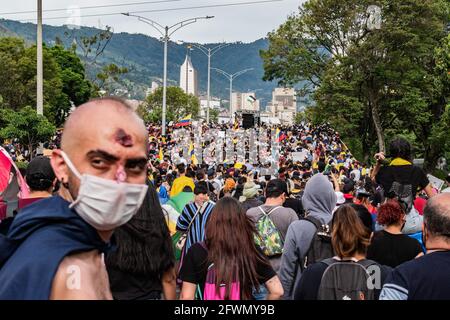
pixel 437 216
pixel 87 118
pixel 103 138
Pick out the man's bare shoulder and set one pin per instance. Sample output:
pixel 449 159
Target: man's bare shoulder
pixel 81 276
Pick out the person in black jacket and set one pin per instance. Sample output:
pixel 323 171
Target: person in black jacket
pixel 401 179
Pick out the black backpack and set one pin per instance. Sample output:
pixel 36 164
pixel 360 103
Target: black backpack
pixel 404 193
pixel 346 280
pixel 320 247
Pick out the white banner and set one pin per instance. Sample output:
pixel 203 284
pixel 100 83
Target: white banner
pixel 435 182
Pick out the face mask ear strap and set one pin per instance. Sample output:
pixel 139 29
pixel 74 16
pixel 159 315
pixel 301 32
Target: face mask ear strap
pixel 70 165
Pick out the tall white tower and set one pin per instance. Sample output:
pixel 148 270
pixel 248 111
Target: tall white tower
pixel 188 77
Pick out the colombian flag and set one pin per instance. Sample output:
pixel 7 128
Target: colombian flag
pixel 236 124
pixel 184 122
pixel 192 154
pixel 280 135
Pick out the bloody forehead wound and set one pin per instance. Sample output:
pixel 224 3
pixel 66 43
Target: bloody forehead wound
pixel 124 138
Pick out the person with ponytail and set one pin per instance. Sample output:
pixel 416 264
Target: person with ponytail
pixel 229 248
pixel 142 266
pixel 350 239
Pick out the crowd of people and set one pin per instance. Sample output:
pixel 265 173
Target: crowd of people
pixel 111 215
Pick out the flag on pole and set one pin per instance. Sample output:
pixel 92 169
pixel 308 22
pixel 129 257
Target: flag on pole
pixel 236 123
pixel 192 154
pixel 280 135
pixel 191 149
pixel 184 122
pixel 251 99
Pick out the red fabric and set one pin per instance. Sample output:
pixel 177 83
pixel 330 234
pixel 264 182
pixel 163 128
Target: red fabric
pixel 27 201
pixel 3 208
pixel 5 169
pixel 419 204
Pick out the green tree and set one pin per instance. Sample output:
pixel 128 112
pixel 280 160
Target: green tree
pixel 92 46
pixel 179 105
pixel 214 115
pixel 64 79
pixel 109 77
pixel 27 126
pixel 76 89
pixel 370 84
pixel 312 46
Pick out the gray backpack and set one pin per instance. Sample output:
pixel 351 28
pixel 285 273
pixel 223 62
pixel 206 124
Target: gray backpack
pixel 346 280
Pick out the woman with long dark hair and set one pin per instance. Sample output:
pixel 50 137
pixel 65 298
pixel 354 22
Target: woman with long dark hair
pixel 142 266
pixel 230 249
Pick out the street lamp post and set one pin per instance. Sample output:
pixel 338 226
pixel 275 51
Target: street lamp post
pixel 209 52
pixel 39 71
pixel 231 77
pixel 39 76
pixel 166 33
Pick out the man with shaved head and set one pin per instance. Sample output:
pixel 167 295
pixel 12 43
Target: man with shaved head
pixel 55 247
pixel 428 277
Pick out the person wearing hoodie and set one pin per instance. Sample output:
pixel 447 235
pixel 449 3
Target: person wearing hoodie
pixel 55 247
pixel 319 200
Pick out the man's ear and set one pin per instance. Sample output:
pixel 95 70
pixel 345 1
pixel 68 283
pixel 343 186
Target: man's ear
pixel 59 166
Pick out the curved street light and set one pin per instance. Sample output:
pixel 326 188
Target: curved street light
pixel 231 77
pixel 166 32
pixel 209 52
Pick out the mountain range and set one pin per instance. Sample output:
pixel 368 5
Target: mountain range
pixel 143 56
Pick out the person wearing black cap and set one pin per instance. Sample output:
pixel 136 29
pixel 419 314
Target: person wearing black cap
pixel 348 190
pixel 40 178
pixel 362 197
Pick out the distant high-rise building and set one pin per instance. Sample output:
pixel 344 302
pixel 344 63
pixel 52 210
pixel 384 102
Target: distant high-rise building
pixel 245 101
pixel 284 105
pixel 188 77
pixel 153 88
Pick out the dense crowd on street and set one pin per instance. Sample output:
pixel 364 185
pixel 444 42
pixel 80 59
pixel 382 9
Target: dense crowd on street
pixel 109 213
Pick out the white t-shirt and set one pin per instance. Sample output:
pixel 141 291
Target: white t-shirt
pixel 357 174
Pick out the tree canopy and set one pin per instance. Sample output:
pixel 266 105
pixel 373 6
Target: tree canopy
pixel 65 84
pixel 27 126
pixel 179 105
pixel 370 83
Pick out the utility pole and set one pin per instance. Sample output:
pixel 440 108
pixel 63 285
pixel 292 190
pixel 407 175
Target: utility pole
pixel 39 78
pixel 231 77
pixel 209 52
pixel 166 33
pixel 40 72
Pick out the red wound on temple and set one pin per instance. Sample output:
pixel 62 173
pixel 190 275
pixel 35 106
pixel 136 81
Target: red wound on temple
pixel 124 139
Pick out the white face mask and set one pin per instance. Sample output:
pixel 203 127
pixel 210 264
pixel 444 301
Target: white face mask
pixel 105 204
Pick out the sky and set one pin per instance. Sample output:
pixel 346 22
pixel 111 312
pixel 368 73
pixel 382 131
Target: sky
pixel 244 23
